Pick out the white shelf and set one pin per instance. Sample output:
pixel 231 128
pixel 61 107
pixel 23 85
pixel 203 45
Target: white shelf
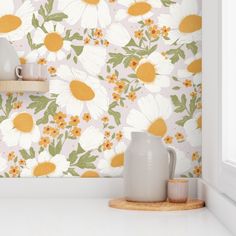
pixel 24 86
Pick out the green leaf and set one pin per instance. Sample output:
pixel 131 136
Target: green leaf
pixel 73 157
pixel 116 115
pixel 35 21
pixel 56 17
pixel 180 109
pixel 183 120
pixel 193 47
pixel 152 49
pixel 39 103
pixel 2 118
pixel 192 105
pixel 72 172
pixel 116 59
pixel 86 161
pixel 77 49
pixel 167 3
pixel 32 152
pixel 48 6
pixel 183 99
pixel 176 54
pixel 52 150
pixel 131 43
pixel 25 155
pixel 41 12
pixel 176 88
pixel 9 105
pixel 175 100
pixel 51 110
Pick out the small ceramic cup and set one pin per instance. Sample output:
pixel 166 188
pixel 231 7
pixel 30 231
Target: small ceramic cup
pixel 178 190
pixel 31 72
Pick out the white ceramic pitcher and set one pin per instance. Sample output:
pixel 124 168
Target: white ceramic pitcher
pixel 147 168
pixel 8 60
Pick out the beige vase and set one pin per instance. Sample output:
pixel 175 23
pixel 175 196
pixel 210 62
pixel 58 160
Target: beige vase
pixel 148 166
pixel 8 60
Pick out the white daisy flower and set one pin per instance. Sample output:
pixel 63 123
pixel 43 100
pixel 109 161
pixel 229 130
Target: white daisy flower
pixel 185 22
pixel 45 166
pixel 3 164
pixel 20 129
pixel 76 90
pixel 91 138
pixel 183 164
pixel 93 13
pixel 54 45
pixel 151 116
pixel 118 35
pixel 137 10
pixel 112 163
pixel 193 129
pixel 193 69
pixel 93 58
pixel 154 71
pixel 15 23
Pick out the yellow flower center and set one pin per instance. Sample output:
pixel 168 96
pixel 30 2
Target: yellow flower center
pixel 195 67
pixel 190 24
pixel 22 60
pixel 53 42
pixel 81 91
pixel 90 174
pixel 9 23
pixel 199 122
pixel 93 2
pixel 118 160
pixel 23 122
pixel 158 127
pixel 139 8
pixel 44 168
pixel 146 72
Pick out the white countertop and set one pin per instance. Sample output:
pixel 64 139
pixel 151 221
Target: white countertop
pixel 92 217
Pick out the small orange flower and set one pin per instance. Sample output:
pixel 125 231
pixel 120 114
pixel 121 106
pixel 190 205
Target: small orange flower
pixel 59 117
pixel 86 117
pixel 44 141
pixel 47 130
pixel 14 171
pixel 193 94
pixel 120 86
pixel 179 136
pixel 42 61
pixel 154 31
pixel 138 34
pixel 195 156
pixel 165 31
pixel 112 78
pixel 199 105
pixel 187 83
pixel 96 42
pixel 52 70
pixel 116 96
pixel 74 120
pixel 107 145
pixel 119 136
pixel 107 133
pixel 86 40
pixel 61 125
pixel 105 119
pixel 9 94
pixel 197 170
pixel 98 33
pixel 17 105
pixel 21 162
pixel 76 132
pixel 23 60
pixel 148 21
pixel 106 43
pixel 11 156
pixel 54 132
pixel 168 139
pixel 132 96
pixel 133 63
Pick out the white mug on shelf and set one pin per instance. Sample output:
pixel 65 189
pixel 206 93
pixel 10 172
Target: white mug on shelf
pixel 31 72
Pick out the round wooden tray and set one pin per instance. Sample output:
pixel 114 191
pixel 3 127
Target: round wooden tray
pixel 121 203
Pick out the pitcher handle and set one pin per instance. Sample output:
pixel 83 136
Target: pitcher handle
pixel 172 164
pixel 18 71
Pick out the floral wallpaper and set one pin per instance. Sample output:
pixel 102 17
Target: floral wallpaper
pixel 115 66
